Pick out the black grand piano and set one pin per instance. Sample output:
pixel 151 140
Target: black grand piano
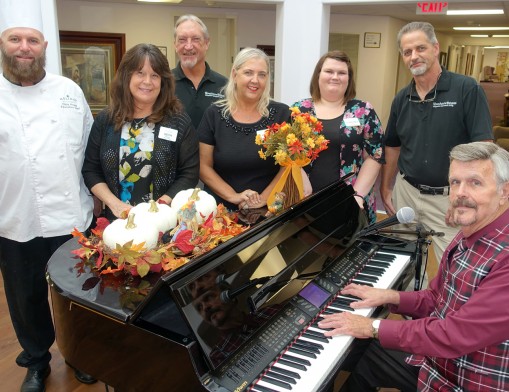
pixel 241 317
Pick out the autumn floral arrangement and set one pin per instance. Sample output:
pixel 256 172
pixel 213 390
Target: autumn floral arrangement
pixel 194 233
pixel 293 145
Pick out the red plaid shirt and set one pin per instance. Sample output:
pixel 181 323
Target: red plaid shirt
pixel 461 336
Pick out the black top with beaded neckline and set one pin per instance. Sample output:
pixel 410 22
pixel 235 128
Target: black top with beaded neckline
pixel 235 155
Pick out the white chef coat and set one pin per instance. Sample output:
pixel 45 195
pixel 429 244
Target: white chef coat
pixel 43 134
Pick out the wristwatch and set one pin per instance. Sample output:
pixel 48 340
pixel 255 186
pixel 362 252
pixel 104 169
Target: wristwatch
pixel 375 325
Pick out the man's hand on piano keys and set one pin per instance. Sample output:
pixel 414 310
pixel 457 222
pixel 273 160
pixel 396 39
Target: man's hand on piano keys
pixel 370 297
pixel 346 323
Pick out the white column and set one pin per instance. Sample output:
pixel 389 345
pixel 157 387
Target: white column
pixel 50 26
pixel 302 36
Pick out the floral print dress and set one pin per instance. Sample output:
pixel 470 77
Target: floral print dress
pixel 356 132
pixel 135 168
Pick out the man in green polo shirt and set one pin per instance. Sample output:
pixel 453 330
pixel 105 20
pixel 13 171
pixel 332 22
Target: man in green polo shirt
pixel 196 84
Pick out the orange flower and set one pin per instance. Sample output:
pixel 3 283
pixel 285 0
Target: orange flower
pixel 293 141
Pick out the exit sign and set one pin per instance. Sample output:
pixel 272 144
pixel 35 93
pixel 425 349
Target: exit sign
pixel 432 7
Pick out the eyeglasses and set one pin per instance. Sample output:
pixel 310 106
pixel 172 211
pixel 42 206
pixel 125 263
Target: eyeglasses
pixel 427 99
pixel 422 100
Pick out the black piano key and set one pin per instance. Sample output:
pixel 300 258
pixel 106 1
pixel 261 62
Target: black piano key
pixel 367 278
pixel 331 311
pixel 286 372
pixel 373 271
pixel 291 364
pixel 357 281
pixel 296 359
pixel 304 353
pixel 351 297
pixel 341 306
pixel 381 264
pixel 305 347
pixel 311 344
pixel 342 301
pixel 273 381
pixel 281 377
pixel 384 256
pixel 314 334
pixel 315 325
pixel 318 337
pixel 261 388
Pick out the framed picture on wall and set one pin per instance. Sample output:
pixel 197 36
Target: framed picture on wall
pixel 164 50
pixel 91 60
pixel 443 59
pixel 372 40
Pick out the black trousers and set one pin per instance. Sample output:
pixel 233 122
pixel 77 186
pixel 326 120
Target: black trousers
pixel 379 367
pixel 23 266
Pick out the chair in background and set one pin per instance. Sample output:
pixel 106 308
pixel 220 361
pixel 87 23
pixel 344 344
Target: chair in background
pixel 489 75
pixel 501 136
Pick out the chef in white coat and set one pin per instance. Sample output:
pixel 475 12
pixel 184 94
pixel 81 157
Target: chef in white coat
pixel 44 126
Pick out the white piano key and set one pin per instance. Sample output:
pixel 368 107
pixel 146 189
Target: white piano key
pixel 272 386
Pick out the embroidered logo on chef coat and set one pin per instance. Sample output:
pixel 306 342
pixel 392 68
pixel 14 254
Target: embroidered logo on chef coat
pixel 68 102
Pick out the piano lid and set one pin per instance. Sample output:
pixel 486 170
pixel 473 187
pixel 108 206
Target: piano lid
pixel 283 252
pixel 234 293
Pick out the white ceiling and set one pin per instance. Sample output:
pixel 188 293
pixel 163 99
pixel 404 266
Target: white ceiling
pixel 405 11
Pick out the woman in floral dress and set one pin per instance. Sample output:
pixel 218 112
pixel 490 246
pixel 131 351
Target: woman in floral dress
pixel 352 127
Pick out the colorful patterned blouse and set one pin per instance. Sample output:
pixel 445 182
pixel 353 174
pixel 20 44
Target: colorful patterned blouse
pixel 135 169
pixel 357 131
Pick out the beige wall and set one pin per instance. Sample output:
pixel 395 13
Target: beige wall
pixel 378 76
pixel 377 68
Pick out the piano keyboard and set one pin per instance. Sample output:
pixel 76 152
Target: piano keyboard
pixel 311 359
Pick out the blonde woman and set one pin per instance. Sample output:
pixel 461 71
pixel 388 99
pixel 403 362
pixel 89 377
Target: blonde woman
pixel 230 166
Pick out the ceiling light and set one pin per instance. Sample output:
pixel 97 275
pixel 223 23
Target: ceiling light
pixel 480 28
pixel 496 47
pixel 479 35
pixel 161 1
pixel 500 35
pixel 475 12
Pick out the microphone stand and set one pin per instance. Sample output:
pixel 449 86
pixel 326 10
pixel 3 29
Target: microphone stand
pixel 422 243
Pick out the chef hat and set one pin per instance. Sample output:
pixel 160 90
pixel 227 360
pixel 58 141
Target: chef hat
pixel 20 13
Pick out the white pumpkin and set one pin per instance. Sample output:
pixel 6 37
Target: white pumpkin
pixel 161 215
pixel 204 202
pixel 121 231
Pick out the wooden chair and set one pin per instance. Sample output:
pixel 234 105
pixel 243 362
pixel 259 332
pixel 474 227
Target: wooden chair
pixel 501 136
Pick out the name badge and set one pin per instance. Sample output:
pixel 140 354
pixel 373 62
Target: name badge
pixel 169 134
pixel 352 122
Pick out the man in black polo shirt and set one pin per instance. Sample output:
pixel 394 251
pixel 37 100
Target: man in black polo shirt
pixel 435 112
pixel 196 85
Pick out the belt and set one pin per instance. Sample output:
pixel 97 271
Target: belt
pixel 428 190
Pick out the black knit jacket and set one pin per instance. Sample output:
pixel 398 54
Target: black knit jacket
pixel 176 165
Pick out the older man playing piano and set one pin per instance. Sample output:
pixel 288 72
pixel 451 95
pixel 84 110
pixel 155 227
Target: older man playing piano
pixel 459 339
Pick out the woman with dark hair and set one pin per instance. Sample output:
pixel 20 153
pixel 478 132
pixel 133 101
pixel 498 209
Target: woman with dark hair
pixel 352 127
pixel 143 145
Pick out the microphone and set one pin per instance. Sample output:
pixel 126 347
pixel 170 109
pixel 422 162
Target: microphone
pixel 404 215
pixel 227 296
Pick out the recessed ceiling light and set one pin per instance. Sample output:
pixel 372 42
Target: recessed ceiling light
pixel 480 28
pixel 496 47
pixel 479 35
pixel 475 12
pixel 500 35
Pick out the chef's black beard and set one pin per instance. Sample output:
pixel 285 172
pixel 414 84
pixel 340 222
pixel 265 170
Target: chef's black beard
pixel 22 73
